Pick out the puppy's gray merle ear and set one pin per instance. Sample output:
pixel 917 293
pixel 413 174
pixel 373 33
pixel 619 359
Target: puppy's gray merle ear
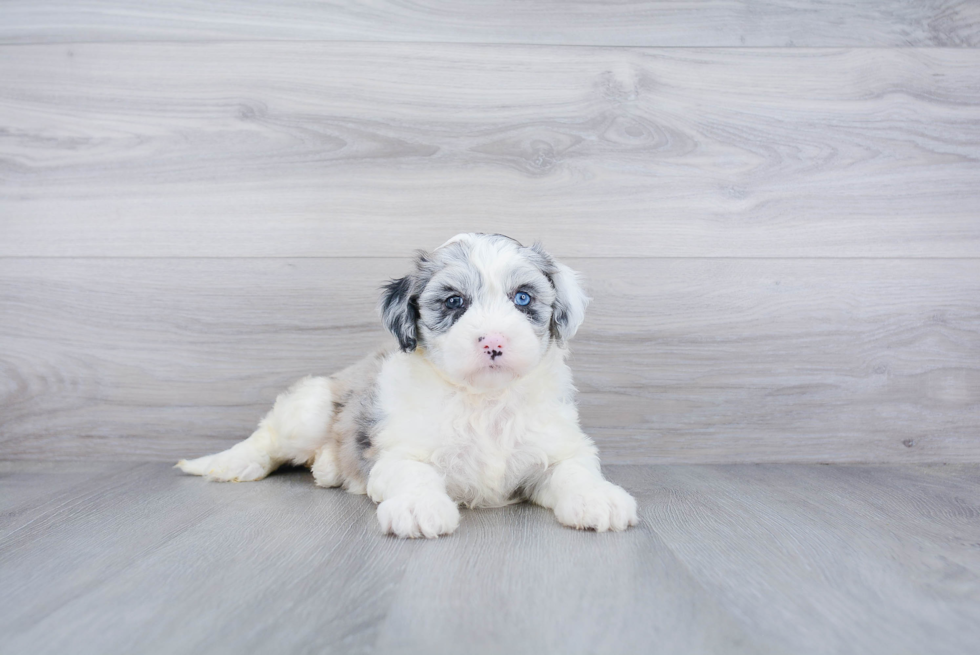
pixel 568 310
pixel 400 311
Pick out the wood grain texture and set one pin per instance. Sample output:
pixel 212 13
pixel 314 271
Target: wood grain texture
pixel 697 360
pixel 578 22
pixel 551 591
pixel 878 560
pixel 32 489
pixel 726 559
pixel 361 149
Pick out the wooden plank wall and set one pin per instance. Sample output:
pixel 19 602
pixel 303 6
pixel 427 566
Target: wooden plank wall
pixel 776 207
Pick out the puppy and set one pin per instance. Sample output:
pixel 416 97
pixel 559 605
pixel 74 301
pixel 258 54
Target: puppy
pixel 476 407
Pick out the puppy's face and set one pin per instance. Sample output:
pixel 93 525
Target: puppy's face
pixel 484 309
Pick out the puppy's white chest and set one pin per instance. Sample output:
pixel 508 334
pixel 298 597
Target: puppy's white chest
pixel 485 455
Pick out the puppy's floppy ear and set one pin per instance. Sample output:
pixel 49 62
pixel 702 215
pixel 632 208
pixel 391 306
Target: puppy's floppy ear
pixel 568 310
pixel 400 311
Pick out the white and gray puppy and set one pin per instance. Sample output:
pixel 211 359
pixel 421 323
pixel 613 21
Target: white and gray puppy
pixel 475 408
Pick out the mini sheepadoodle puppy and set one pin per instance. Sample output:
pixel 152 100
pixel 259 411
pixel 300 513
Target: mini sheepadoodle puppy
pixel 475 408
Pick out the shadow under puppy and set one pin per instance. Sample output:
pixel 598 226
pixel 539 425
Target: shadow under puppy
pixel 476 407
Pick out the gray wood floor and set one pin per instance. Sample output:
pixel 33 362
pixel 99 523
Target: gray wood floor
pixel 126 558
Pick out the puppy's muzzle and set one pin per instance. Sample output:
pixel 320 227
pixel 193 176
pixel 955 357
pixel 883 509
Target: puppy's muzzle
pixel 493 345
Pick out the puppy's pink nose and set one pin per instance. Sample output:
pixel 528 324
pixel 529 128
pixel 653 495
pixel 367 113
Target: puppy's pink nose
pixel 493 345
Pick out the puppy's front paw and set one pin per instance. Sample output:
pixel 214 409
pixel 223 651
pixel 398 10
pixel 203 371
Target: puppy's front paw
pixel 603 507
pixel 411 516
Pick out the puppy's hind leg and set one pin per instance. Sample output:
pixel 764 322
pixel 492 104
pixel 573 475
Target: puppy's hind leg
pixel 326 466
pixel 296 427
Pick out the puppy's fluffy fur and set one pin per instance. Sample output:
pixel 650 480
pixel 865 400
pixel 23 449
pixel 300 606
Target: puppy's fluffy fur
pixel 476 407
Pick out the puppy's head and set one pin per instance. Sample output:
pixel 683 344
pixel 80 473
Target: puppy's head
pixel 483 308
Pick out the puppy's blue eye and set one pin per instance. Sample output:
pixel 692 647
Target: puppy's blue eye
pixel 454 302
pixel 522 299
